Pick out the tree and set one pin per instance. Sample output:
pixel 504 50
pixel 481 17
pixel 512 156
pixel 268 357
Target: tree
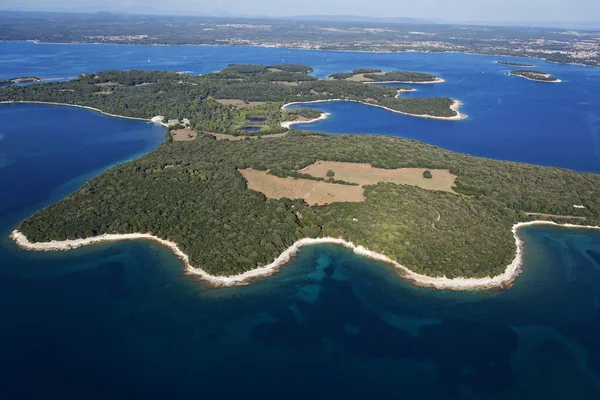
pixel 427 174
pixel 330 173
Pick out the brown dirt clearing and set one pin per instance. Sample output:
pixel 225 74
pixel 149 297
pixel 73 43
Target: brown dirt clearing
pixel 359 78
pixel 363 78
pixel 240 104
pixel 366 174
pixel 313 192
pixel 183 135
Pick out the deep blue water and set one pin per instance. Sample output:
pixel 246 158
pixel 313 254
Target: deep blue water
pixel 509 117
pixel 123 321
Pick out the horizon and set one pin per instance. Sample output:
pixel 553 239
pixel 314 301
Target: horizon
pixel 554 13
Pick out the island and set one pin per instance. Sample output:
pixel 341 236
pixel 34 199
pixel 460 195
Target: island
pixel 375 75
pixel 234 210
pixel 24 79
pixel 537 76
pixel 515 64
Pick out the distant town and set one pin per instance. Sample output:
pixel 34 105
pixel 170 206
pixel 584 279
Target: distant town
pixel 553 44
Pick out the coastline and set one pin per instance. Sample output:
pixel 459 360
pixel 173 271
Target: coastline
pixel 503 280
pixel 454 107
pixel 288 124
pixel 436 80
pixel 400 91
pixel 535 80
pixel 152 120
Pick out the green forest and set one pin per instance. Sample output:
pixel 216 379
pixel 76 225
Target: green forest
pixel 193 193
pixel 145 94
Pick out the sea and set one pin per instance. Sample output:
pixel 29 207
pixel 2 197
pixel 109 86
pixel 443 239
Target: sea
pixel 123 320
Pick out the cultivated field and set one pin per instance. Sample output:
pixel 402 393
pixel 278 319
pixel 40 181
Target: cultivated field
pixel 240 104
pixel 183 135
pixel 365 174
pixel 321 193
pixel 313 192
pixel 362 77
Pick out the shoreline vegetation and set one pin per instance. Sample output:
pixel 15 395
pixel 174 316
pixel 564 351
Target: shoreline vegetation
pixel 289 124
pixel 503 280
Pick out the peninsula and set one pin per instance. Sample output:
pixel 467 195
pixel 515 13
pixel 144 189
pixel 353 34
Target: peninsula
pixel 24 79
pixel 538 76
pixel 238 209
pixel 241 100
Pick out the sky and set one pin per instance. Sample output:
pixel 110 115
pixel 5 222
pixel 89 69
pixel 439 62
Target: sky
pixel 439 10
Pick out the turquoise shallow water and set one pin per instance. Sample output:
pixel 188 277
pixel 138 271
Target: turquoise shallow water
pixel 121 320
